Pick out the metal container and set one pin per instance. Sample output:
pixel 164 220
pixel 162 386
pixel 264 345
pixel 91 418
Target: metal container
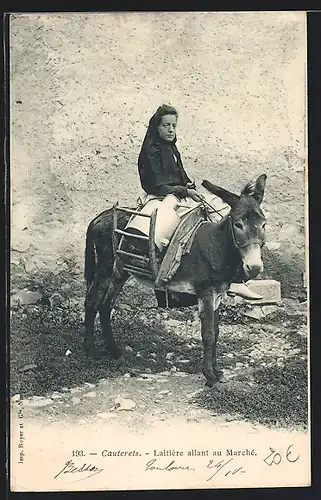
pixel 167 219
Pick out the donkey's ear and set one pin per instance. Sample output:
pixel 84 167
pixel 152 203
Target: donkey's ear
pixel 227 196
pixel 256 188
pixel 259 188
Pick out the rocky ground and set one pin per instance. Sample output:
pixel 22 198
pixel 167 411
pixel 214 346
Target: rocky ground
pixel 264 357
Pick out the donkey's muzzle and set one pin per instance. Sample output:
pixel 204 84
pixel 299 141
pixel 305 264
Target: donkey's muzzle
pixel 252 261
pixel 253 271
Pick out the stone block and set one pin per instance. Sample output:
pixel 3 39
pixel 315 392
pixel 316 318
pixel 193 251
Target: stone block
pixel 270 290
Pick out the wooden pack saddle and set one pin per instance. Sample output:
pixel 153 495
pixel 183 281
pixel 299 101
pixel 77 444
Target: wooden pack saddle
pixel 137 253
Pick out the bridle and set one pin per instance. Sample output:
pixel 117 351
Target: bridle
pixel 251 241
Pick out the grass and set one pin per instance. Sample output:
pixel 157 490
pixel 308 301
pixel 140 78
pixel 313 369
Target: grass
pixel 263 390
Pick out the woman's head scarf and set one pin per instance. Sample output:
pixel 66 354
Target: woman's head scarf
pixel 152 135
pixel 151 141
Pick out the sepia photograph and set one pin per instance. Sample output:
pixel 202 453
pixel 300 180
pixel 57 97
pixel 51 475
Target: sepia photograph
pixel 159 274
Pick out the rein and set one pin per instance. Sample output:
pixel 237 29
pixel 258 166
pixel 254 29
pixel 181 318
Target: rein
pixel 251 241
pixel 206 204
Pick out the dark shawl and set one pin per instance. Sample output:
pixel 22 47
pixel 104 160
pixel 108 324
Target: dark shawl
pixel 159 172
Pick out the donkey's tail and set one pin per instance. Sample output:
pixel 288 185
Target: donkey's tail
pixel 90 255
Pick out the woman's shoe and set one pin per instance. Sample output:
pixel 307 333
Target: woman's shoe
pixel 243 291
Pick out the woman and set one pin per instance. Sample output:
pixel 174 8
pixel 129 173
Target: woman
pixel 159 164
pixel 161 171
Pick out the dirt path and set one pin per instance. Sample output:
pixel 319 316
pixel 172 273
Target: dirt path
pixel 154 398
pixel 149 415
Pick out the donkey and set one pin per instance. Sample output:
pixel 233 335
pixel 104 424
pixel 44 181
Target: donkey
pixel 219 252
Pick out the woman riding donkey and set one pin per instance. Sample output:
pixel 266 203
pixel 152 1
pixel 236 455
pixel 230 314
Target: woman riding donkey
pixel 162 173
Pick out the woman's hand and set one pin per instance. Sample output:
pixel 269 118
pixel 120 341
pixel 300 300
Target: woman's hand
pixel 193 194
pixel 180 191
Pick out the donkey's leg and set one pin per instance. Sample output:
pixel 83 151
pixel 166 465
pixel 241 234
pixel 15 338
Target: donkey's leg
pixel 219 373
pixel 94 295
pixel 206 313
pixel 115 286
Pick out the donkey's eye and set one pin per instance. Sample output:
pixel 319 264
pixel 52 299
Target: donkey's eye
pixel 238 225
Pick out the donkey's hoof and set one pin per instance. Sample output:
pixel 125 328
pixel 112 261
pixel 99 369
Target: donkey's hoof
pixel 114 351
pixel 210 383
pixel 220 376
pixel 90 351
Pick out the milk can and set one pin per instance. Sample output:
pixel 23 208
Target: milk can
pixel 167 219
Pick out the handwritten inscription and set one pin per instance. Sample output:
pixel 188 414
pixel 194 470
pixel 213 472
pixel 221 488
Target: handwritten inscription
pixel 169 467
pixel 232 465
pixel 223 464
pixel 275 458
pixel 70 468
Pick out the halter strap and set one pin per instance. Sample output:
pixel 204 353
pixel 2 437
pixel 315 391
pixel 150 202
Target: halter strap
pixel 251 241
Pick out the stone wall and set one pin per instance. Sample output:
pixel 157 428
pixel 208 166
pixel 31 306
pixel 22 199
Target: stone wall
pixel 83 87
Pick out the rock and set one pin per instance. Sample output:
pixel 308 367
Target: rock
pixel 153 355
pixel 148 370
pixel 273 245
pixel 124 404
pixel 181 374
pixel 138 355
pixel 169 356
pixel 75 400
pixel 89 384
pixel 183 361
pixel 56 395
pixel 38 403
pixel 153 360
pixel 26 298
pixel 126 375
pixel 107 415
pixel 16 398
pixel 91 394
pixel 229 355
pixel 164 392
pixel 267 310
pixel 28 367
pixel 192 395
pixel 172 323
pixel 66 287
pixel 129 351
pixel 75 390
pixel 65 389
pixel 134 372
pixel 260 312
pixel 254 313
pixel 173 369
pixel 165 374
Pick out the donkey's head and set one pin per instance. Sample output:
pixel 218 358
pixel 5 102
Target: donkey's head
pixel 246 222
